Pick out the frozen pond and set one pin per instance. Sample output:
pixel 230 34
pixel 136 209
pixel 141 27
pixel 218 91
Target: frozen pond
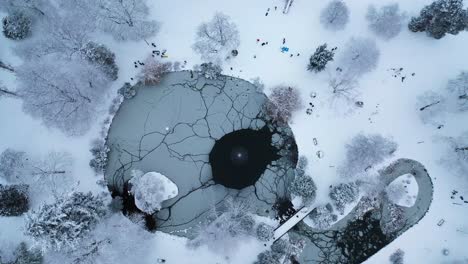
pixel 172 127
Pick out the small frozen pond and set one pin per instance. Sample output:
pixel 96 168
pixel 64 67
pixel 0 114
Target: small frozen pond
pixel 171 129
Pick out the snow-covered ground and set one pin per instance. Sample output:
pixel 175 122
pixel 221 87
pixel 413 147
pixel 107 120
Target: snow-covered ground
pixel 389 108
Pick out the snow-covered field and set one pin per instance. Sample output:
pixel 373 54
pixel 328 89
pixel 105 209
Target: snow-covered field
pixel 390 108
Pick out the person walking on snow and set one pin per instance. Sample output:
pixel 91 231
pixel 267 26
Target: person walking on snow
pixel 284 41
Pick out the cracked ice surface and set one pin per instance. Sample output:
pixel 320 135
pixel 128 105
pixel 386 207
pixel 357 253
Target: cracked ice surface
pixel 170 128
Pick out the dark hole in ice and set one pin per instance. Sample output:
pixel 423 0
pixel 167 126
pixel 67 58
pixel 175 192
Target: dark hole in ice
pixel 239 158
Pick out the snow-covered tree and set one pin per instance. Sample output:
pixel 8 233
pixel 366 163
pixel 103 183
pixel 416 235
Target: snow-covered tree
pixel 335 15
pixel 23 255
pixel 101 56
pixel 283 102
pixel 123 19
pixel 397 257
pixel 387 21
pixel 365 152
pixel 431 106
pixel 38 8
pixel 100 152
pixel 217 38
pixel 458 91
pixel 359 56
pixel 127 91
pixel 150 190
pixel 153 70
pixel 303 186
pixel 343 85
pixel 456 156
pixel 322 217
pixel 12 165
pixel 343 194
pixel 45 176
pixel 439 18
pixel 62 224
pixel 14 200
pixel 17 26
pixel 229 222
pixel 320 58
pixel 264 232
pixel 64 94
pixel 209 70
pixel 62 35
pixel 268 257
pixel 5 92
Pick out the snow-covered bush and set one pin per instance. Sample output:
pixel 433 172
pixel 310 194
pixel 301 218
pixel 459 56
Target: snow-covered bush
pixel 17 26
pixel 210 70
pixel 395 220
pixel 397 257
pixel 23 255
pixel 323 217
pixel 264 232
pixel 458 91
pixel 101 56
pixel 258 84
pixel 229 223
pixel 62 224
pixel 303 186
pixel 343 194
pixel 217 38
pixel 127 91
pixel 14 200
pixel 12 164
pixel 150 190
pixel 359 56
pixel 283 102
pixel 100 152
pixel 335 15
pixel 268 257
pixel 366 151
pixel 153 70
pixel 386 22
pixel 65 94
pixel 320 58
pixel 439 18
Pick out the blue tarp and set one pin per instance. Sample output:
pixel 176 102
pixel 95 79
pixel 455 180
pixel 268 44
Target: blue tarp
pixel 284 49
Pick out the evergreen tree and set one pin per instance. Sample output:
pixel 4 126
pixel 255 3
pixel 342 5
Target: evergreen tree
pixel 320 58
pixel 439 18
pixel 13 200
pixel 101 56
pixel 64 223
pixel 17 26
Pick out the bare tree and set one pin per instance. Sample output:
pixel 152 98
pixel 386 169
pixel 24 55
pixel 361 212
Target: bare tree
pixel 64 94
pixel 386 22
pixel 216 38
pixel 335 15
pixel 359 57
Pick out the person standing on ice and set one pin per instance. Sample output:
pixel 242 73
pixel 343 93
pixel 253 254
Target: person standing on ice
pixel 284 41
